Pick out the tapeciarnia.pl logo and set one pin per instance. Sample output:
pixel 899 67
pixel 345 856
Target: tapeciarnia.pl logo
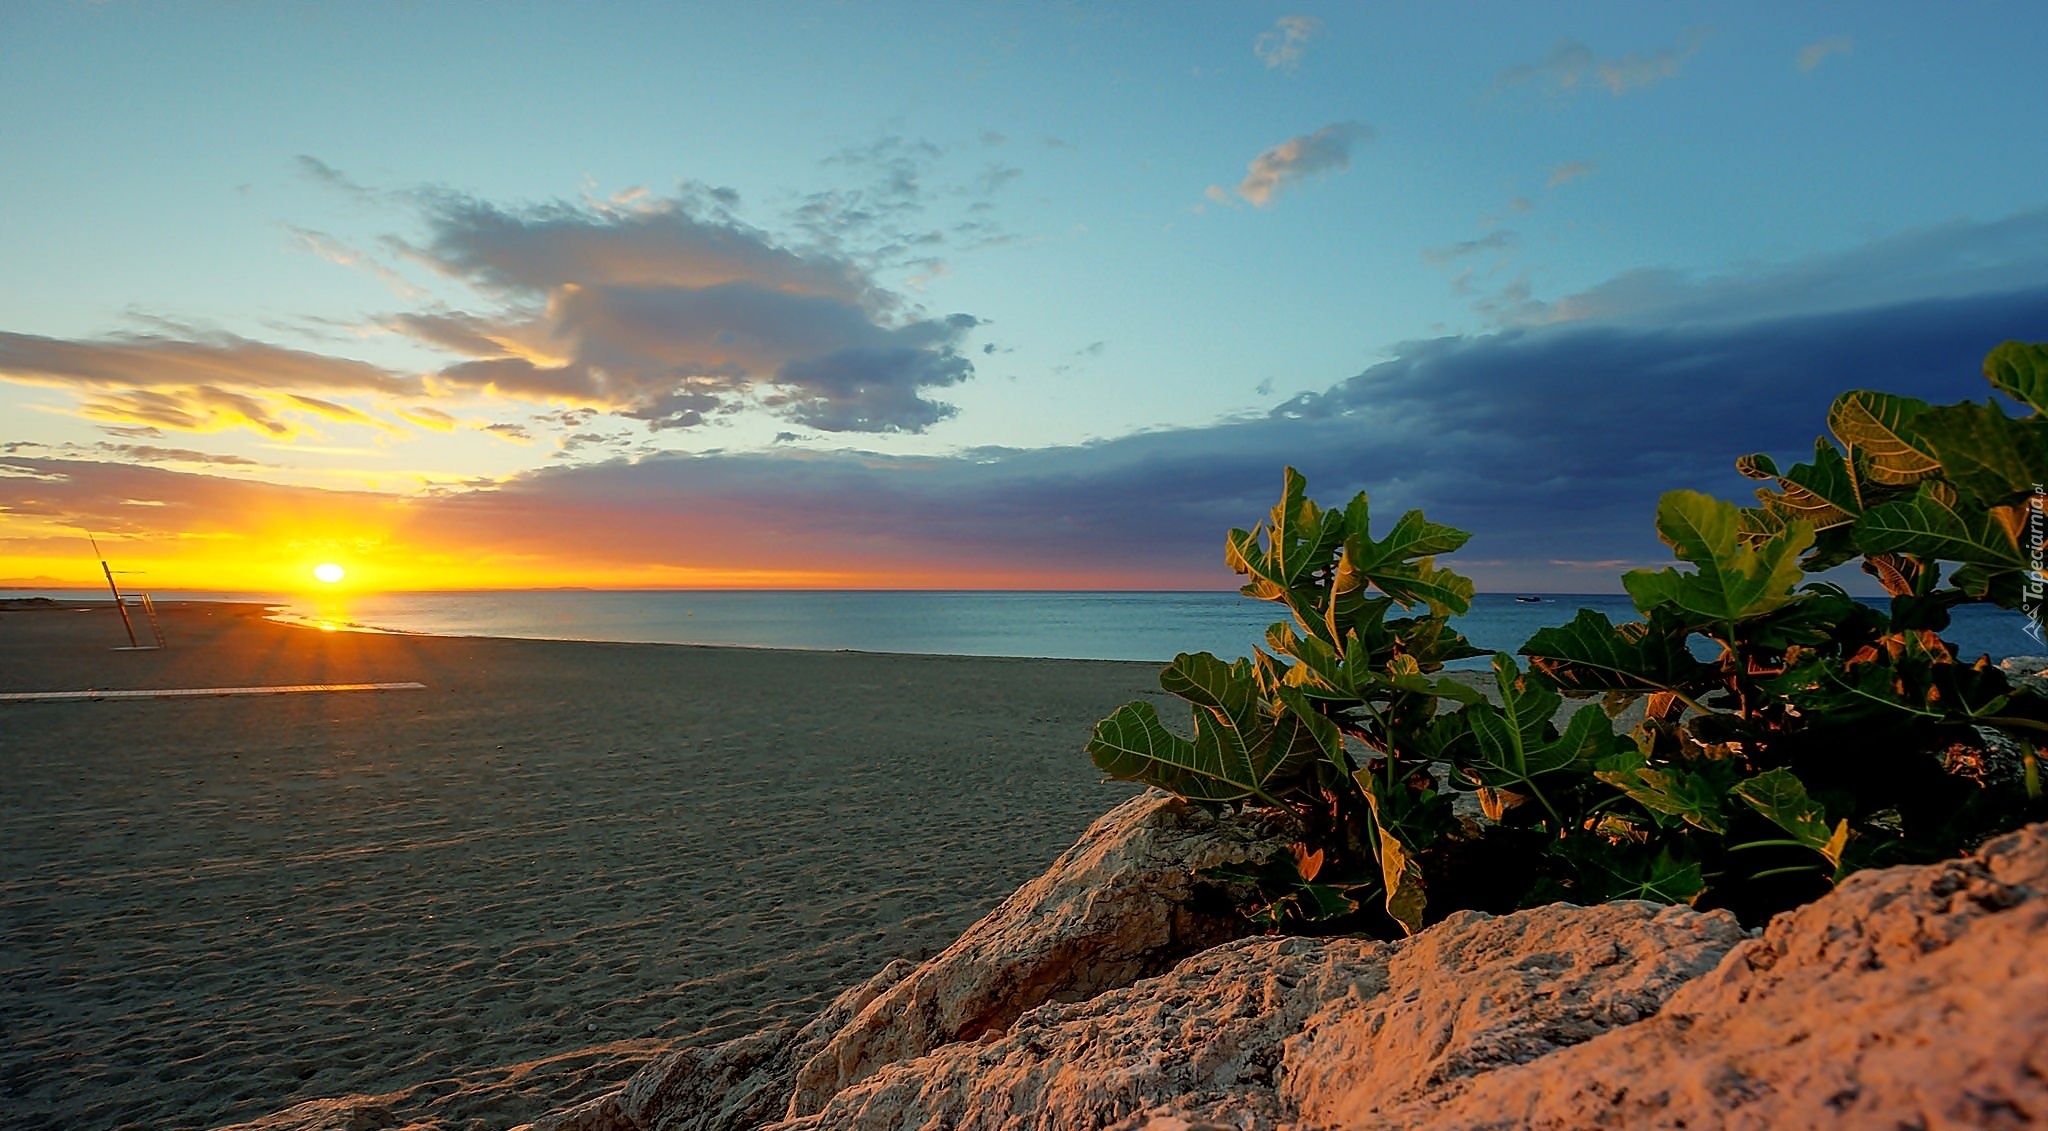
pixel 2037 554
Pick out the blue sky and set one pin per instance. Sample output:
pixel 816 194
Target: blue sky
pixel 482 257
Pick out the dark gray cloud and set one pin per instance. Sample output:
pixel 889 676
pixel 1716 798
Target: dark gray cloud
pixel 532 252
pixel 669 313
pixel 1954 259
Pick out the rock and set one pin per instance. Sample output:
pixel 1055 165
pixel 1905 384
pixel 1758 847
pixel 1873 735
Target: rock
pixel 1121 904
pixel 1910 997
pixel 1233 1035
pixel 2028 673
pixel 1476 993
pixel 1208 1034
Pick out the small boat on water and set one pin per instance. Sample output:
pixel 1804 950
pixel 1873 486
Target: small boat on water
pixel 1529 600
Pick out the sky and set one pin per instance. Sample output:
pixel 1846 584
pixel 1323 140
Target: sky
pixel 958 296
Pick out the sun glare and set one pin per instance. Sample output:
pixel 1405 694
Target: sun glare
pixel 328 572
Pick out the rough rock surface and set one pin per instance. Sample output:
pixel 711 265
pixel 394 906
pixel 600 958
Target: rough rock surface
pixel 1911 997
pixel 1477 993
pixel 1214 1039
pixel 1118 906
pixel 1209 1032
pixel 1908 998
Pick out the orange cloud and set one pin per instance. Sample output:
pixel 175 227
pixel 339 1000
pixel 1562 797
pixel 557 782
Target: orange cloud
pixel 200 409
pixel 1327 150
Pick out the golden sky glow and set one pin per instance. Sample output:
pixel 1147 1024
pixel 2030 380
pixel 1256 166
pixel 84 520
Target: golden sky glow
pixel 176 531
pixel 477 326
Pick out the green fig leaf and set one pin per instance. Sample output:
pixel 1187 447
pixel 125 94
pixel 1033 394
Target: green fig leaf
pixel 1678 791
pixel 1935 523
pixel 1510 745
pixel 1590 653
pixel 2020 371
pixel 1402 565
pixel 1299 538
pixel 1731 581
pixel 1757 465
pixel 1660 877
pixel 1881 426
pixel 1781 797
pixel 1241 750
pixel 1824 493
pixel 1988 456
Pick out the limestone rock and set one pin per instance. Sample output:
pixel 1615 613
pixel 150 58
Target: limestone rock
pixel 1208 1034
pixel 1476 993
pixel 1219 1041
pixel 1120 905
pixel 1910 997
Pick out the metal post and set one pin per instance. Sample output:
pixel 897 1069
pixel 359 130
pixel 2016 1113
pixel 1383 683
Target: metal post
pixel 116 591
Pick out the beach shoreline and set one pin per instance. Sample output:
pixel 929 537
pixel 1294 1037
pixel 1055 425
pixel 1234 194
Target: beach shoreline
pixel 498 893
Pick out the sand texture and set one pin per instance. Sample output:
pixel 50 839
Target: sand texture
pixel 492 897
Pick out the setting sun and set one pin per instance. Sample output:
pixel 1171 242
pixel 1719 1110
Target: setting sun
pixel 328 572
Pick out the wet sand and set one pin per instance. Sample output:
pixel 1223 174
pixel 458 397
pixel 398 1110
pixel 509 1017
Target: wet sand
pixel 492 897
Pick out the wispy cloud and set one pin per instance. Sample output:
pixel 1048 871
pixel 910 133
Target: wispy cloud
pixel 1298 158
pixel 1280 47
pixel 321 173
pixel 157 361
pixel 158 382
pixel 1814 54
pixel 431 419
pixel 140 453
pixel 201 408
pixel 335 251
pixel 1498 240
pixel 1571 66
pixel 517 433
pixel 1570 171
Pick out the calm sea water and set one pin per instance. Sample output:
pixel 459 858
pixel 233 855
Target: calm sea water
pixel 1092 626
pixel 1082 626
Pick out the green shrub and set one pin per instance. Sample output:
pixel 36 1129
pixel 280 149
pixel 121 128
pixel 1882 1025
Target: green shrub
pixel 1817 736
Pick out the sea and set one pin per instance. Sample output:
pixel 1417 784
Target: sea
pixel 1065 625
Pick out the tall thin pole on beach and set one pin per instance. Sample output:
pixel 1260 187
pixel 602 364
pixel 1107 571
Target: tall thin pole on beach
pixel 115 590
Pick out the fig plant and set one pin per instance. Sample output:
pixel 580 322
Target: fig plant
pixel 1782 734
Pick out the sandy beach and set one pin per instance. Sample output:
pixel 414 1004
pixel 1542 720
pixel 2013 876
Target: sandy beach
pixel 496 895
